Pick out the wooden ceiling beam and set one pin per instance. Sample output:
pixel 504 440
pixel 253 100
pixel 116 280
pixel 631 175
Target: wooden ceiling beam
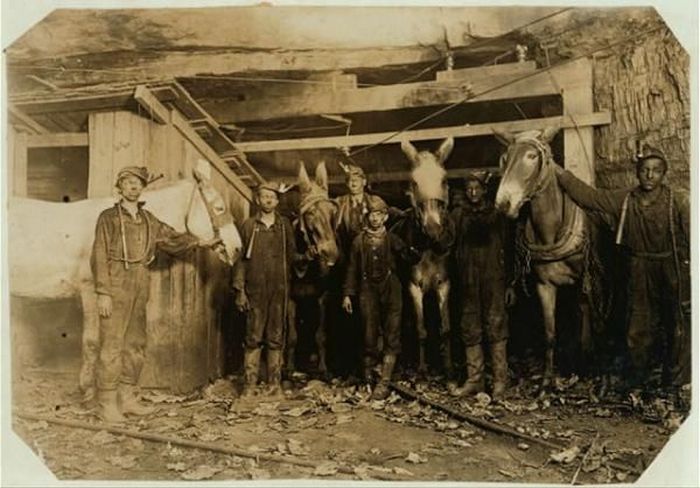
pixel 324 100
pixel 563 121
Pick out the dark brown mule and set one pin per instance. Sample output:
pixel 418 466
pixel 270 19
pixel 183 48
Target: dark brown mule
pixel 430 230
pixel 555 235
pixel 314 229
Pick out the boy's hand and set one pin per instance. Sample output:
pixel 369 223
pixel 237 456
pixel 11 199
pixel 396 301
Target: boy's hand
pixel 210 243
pixel 104 306
pixel 347 305
pixel 242 303
pixel 511 296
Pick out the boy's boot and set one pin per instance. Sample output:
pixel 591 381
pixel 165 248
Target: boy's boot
pixel 130 402
pixel 499 364
pixel 108 407
pixel 274 371
pixel 382 389
pixel 251 366
pixel 475 373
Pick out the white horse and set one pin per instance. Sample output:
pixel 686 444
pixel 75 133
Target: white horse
pixel 430 230
pixel 50 244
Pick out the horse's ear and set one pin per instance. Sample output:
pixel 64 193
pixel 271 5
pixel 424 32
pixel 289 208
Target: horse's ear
pixel 322 175
pixel 504 137
pixel 304 181
pixel 409 150
pixel 445 149
pixel 202 171
pixel 549 132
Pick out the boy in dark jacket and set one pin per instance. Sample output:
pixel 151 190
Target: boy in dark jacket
pixel 371 275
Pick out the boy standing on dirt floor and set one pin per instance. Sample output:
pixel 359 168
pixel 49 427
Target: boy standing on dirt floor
pixel 126 239
pixel 261 285
pixel 371 274
pixel 653 228
pixel 481 264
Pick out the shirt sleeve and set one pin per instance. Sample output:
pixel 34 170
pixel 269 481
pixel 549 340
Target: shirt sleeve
pixel 402 250
pixel 591 198
pixel 447 237
pixel 682 201
pixel 239 269
pixel 171 241
pixel 350 284
pixel 99 259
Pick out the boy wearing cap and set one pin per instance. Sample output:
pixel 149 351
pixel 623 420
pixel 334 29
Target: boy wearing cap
pixel 126 239
pixel 653 228
pixel 371 275
pixel 261 285
pixel 481 260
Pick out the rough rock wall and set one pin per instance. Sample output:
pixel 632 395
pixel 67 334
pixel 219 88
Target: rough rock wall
pixel 645 84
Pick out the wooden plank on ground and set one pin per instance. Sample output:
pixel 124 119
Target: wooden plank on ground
pixel 585 119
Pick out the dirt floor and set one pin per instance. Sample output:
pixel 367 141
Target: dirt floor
pixel 341 434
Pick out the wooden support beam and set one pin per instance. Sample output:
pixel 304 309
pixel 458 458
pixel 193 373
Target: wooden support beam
pixel 148 101
pixel 182 125
pixel 61 139
pixel 574 120
pixel 454 173
pixel 18 116
pixel 390 97
pixel 579 156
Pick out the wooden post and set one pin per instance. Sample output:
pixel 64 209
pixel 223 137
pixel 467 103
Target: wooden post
pixel 17 155
pixel 577 95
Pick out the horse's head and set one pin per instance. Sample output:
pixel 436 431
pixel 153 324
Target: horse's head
pixel 429 189
pixel 208 215
pixel 318 215
pixel 524 167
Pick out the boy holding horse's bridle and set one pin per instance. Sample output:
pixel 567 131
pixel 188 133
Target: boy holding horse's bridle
pixel 653 225
pixel 480 256
pixel 126 239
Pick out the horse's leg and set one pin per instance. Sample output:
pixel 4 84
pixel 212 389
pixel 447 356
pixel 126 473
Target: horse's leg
pixel 292 337
pixel 417 297
pixel 548 299
pixel 321 335
pixel 587 346
pixel 443 294
pixel 91 341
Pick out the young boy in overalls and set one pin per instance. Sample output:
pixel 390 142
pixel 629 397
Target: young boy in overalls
pixel 371 276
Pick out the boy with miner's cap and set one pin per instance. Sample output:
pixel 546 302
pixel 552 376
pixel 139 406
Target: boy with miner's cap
pixel 371 274
pixel 261 284
pixel 127 237
pixel 481 260
pixel 653 229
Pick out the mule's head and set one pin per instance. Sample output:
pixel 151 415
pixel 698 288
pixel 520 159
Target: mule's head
pixel 429 190
pixel 318 215
pixel 522 167
pixel 209 216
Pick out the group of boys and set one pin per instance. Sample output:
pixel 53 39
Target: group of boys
pixel 652 224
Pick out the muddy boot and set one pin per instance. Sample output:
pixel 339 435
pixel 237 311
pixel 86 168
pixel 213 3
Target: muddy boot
pixel 251 365
pixel 382 389
pixel 274 372
pixel 475 373
pixel 130 402
pixel 499 365
pixel 367 369
pixel 109 408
